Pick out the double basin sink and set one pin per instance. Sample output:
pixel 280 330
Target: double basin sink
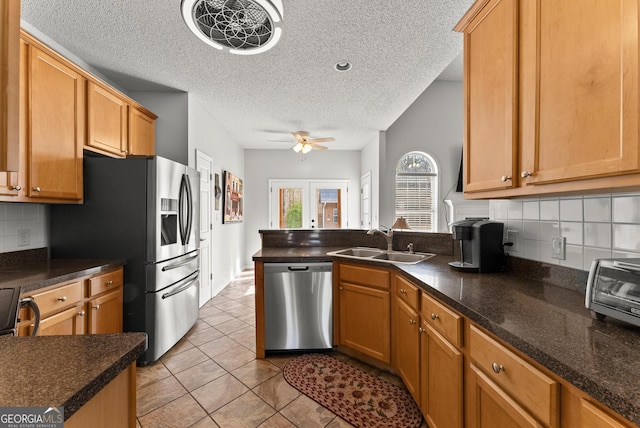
pixel 364 253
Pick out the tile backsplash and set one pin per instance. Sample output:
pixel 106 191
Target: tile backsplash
pixel 595 226
pixel 23 226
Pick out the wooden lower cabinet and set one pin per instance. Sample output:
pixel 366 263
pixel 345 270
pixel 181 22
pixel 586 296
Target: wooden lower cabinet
pixel 365 321
pixel 105 313
pixel 441 380
pixel 407 345
pixel 69 321
pixel 493 407
pixel 92 305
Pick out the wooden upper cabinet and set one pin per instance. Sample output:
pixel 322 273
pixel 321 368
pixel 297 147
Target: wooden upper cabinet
pixel 579 89
pixel 141 132
pixel 56 100
pixel 490 95
pixel 9 84
pixel 106 119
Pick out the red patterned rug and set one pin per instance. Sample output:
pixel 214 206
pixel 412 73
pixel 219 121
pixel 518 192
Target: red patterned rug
pixel 356 396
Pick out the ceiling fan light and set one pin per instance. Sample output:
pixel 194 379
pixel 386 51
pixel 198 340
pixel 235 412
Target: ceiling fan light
pixel 298 148
pixel 306 148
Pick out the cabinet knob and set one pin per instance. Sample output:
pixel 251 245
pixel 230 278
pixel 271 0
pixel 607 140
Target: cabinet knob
pixel 434 316
pixel 403 291
pixel 421 330
pixel 18 188
pixel 37 189
pixel 412 322
pixel 525 174
pixel 81 313
pixel 96 307
pixel 506 178
pixel 62 299
pixel 497 367
pixel 341 288
pixel 109 282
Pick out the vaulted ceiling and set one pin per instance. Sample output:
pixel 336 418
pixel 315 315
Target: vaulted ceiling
pixel 397 48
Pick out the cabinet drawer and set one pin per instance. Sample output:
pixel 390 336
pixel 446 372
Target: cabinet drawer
pixel 369 276
pixel 442 319
pixel 407 292
pixel 528 385
pixel 105 282
pixel 58 298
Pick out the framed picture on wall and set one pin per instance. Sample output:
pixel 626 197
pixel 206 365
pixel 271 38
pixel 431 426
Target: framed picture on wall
pixel 217 191
pixel 232 202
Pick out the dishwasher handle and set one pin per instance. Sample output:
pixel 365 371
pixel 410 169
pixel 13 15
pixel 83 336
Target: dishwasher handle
pixel 298 268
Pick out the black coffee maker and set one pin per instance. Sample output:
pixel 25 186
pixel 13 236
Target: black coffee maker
pixel 481 247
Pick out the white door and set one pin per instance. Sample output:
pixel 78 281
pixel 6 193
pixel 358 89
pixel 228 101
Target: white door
pixel 365 201
pixel 328 204
pixel 304 204
pixel 204 164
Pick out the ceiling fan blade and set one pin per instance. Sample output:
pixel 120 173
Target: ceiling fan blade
pixel 322 140
pixel 317 146
pixel 298 136
pixel 280 141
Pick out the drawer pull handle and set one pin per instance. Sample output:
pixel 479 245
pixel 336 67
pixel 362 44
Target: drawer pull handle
pixel 109 282
pixel 434 316
pixel 403 291
pixel 497 367
pixel 62 299
pixel 96 307
pixel 81 313
pixel 412 322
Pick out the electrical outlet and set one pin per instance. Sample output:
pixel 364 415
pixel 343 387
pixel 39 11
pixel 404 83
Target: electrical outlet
pixel 558 248
pixel 512 236
pixel 24 237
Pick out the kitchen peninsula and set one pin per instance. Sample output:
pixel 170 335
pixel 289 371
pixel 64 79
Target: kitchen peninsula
pixel 534 312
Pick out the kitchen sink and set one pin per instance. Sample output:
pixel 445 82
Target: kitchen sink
pixel 364 253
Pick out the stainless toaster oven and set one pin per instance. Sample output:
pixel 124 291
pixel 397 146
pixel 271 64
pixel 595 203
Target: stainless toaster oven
pixel 613 289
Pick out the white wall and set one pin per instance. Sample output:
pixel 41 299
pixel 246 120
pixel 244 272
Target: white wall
pixel 260 166
pixel 227 240
pixel 432 124
pixel 172 122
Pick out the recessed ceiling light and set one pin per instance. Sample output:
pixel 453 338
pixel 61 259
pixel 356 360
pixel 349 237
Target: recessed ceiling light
pixel 242 27
pixel 342 66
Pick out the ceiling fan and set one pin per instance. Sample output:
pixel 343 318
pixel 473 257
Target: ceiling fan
pixel 304 144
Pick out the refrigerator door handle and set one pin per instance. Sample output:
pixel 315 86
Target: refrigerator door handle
pixel 182 263
pixel 185 203
pixel 186 286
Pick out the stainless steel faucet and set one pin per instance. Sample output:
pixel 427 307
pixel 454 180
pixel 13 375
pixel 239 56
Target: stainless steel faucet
pixel 388 235
pixel 410 248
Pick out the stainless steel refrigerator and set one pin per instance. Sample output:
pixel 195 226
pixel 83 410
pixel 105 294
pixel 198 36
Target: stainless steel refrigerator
pixel 145 211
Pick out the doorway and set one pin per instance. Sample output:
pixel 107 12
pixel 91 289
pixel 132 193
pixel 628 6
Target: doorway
pixel 204 164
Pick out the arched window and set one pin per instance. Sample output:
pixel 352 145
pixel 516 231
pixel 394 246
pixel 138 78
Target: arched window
pixel 417 191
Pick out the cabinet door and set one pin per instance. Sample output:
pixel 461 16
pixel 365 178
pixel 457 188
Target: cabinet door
pixel 142 138
pixel 56 128
pixel 593 417
pixel 407 346
pixel 493 408
pixel 105 313
pixel 580 89
pixel 365 320
pixel 70 321
pixel 440 380
pixel 106 120
pixel 491 95
pixel 9 77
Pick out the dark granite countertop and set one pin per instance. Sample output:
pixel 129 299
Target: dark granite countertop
pixel 546 322
pixel 63 370
pixel 33 276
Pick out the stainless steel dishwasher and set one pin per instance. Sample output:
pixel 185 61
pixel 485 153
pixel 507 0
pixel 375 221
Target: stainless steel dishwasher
pixel 298 306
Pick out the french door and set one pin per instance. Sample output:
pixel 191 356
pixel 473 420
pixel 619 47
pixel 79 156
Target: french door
pixel 308 204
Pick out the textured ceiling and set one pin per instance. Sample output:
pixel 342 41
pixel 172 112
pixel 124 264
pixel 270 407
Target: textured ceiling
pixel 397 48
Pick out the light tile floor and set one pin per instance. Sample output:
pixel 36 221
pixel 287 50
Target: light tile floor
pixel 211 378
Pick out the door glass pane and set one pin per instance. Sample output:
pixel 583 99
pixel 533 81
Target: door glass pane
pixel 328 203
pixel 290 208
